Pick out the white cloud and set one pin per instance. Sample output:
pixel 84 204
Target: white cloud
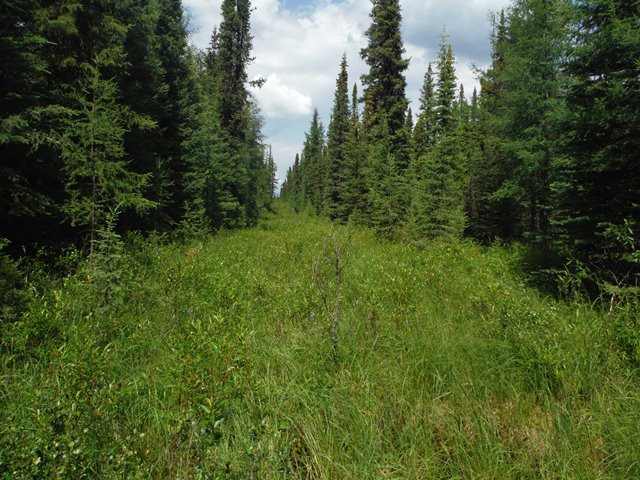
pixel 284 154
pixel 278 100
pixel 298 52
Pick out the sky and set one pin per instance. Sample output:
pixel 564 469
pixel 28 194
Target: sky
pixel 298 45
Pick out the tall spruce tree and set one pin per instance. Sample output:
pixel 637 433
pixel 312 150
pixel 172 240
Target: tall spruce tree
pixel 494 210
pixel 522 101
pixel 385 107
pixel 143 90
pixel 175 95
pixel 234 43
pixel 439 174
pixel 29 182
pixel 384 84
pixel 337 137
pixel 423 133
pixel 354 197
pixel 445 115
pixel 315 166
pixel 204 151
pixel 599 187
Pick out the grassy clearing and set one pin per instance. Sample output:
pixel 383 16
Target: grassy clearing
pixel 214 360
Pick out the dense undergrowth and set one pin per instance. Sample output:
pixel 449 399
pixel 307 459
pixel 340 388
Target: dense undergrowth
pixel 213 359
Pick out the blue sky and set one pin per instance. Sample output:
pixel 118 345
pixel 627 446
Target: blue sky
pixel 298 5
pixel 298 45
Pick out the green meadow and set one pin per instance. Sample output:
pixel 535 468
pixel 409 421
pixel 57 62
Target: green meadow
pixel 217 359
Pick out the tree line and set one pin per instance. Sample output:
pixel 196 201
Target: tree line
pixel 110 119
pixel 546 152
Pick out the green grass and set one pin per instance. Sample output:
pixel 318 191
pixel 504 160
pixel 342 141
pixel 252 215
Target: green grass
pixel 214 360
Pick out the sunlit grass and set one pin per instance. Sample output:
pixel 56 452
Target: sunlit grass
pixel 217 363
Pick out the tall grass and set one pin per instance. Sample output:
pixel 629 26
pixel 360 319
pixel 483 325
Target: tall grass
pixel 217 363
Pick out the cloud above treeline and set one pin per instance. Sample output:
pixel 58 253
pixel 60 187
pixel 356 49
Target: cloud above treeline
pixel 298 47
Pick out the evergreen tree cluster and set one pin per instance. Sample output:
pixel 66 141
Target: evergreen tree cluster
pixel 546 152
pixel 378 169
pixel 108 116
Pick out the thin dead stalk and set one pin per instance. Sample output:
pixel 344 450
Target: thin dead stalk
pixel 334 314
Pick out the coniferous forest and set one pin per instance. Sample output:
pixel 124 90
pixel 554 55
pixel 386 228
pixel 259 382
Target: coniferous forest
pixel 110 120
pixel 544 153
pixel 448 292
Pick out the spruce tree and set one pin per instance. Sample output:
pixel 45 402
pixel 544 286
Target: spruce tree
pixel 233 56
pixel 423 133
pixel 241 166
pixel 336 146
pixel 522 105
pixel 384 84
pixel 385 107
pixel 439 174
pixel 599 186
pixel 387 188
pixel 295 193
pixel 176 94
pixel 98 181
pixel 144 90
pixel 496 212
pixel 212 51
pixel 445 115
pixel 462 105
pixel 355 190
pixel 204 150
pixel 316 171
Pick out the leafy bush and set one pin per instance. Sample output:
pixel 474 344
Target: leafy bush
pixel 11 282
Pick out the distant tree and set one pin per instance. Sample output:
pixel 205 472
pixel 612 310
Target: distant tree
pixel 315 165
pixel 267 180
pixel 423 133
pixel 212 51
pixel 272 176
pixel 408 124
pixel 445 115
pixel 291 187
pixel 354 197
pixel 462 105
